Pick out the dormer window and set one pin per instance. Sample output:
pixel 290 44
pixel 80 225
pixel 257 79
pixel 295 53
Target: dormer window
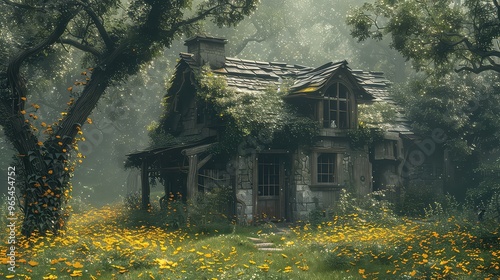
pixel 337 107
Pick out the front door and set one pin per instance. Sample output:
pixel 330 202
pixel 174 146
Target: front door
pixel 270 187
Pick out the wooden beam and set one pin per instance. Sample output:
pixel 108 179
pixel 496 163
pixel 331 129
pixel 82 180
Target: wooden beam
pixel 203 161
pixel 169 169
pixel 196 150
pixel 145 185
pixel 192 179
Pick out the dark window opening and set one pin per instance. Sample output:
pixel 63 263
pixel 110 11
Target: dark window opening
pixel 269 179
pixel 336 107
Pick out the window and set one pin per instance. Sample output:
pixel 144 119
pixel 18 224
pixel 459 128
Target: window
pixel 269 176
pixel 325 168
pixel 337 107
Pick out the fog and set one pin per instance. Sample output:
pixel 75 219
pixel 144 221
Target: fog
pixel 307 32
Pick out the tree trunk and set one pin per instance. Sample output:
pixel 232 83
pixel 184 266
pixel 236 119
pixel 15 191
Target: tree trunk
pixel 45 194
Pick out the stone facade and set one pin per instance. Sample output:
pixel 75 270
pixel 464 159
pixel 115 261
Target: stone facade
pixel 303 200
pixel 244 185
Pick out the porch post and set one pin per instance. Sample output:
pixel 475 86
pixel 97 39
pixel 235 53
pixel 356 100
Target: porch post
pixel 145 184
pixel 192 179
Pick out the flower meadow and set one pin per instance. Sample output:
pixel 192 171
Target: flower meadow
pixel 112 243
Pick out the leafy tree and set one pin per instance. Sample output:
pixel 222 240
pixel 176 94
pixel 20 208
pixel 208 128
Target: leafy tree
pixel 307 32
pixel 435 35
pixel 116 38
pixel 466 107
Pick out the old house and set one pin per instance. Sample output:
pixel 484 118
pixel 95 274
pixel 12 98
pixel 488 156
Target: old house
pixel 273 181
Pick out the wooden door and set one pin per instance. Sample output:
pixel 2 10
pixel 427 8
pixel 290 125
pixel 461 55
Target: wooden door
pixel 270 187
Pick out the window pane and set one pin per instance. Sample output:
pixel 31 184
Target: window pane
pixel 269 180
pixel 343 92
pixel 343 105
pixel 343 122
pixel 336 106
pixel 326 168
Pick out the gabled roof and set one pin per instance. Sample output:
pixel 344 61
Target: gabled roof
pixel 249 75
pixel 315 79
pixel 255 76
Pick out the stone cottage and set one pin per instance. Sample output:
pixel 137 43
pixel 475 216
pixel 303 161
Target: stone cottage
pixel 273 182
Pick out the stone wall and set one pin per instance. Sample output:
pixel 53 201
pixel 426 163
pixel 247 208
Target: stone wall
pixel 244 185
pixel 302 196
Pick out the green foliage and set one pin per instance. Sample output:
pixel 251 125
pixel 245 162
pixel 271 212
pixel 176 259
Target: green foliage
pixel 446 206
pixel 262 116
pixel 374 207
pixel 466 108
pixel 415 200
pixel 296 131
pixel 364 136
pixel 132 201
pixel 171 213
pixel 116 39
pixel 376 114
pixel 208 211
pixel 486 195
pixel 443 33
pixel 175 211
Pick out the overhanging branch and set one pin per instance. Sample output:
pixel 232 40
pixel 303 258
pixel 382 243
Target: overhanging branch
pixel 479 69
pixel 100 27
pixel 80 46
pixel 13 70
pixel 24 6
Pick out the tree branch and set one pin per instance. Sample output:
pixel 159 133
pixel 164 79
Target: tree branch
pixel 13 70
pixel 245 42
pixel 479 69
pixel 80 46
pixel 476 51
pixel 100 27
pixel 497 5
pixel 23 6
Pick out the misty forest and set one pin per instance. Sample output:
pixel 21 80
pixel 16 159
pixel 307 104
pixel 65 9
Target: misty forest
pixel 246 139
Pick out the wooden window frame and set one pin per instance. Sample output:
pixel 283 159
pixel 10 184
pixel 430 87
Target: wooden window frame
pixel 336 171
pixel 333 103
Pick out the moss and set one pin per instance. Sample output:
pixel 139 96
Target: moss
pixel 254 119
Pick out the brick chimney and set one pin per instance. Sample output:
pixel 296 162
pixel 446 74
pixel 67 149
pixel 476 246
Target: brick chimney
pixel 207 50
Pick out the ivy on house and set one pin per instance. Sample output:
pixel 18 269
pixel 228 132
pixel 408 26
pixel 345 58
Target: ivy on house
pixel 252 119
pixel 364 136
pixel 372 119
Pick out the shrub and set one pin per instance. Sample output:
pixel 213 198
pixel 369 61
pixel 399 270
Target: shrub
pixel 373 207
pixel 171 212
pixel 415 199
pixel 133 201
pixel 208 211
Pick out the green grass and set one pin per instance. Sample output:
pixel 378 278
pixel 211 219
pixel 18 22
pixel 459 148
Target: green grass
pixel 112 243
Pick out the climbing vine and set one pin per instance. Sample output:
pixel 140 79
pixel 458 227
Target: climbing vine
pixel 364 136
pixel 252 119
pixel 259 119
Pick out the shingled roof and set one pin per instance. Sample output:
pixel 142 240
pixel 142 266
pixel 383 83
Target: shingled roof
pixel 249 75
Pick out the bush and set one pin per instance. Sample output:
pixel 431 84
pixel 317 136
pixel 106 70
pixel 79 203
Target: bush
pixel 170 213
pixel 373 207
pixel 415 199
pixel 208 211
pixel 133 201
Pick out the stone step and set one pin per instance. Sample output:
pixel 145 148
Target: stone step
pixel 256 240
pixel 270 249
pixel 264 245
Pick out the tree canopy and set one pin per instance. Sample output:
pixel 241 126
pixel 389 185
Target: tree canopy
pixel 435 35
pixel 115 38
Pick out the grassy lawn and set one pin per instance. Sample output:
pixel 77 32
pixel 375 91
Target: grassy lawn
pixel 111 243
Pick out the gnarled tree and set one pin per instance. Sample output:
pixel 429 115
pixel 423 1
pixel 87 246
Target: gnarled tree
pixel 117 37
